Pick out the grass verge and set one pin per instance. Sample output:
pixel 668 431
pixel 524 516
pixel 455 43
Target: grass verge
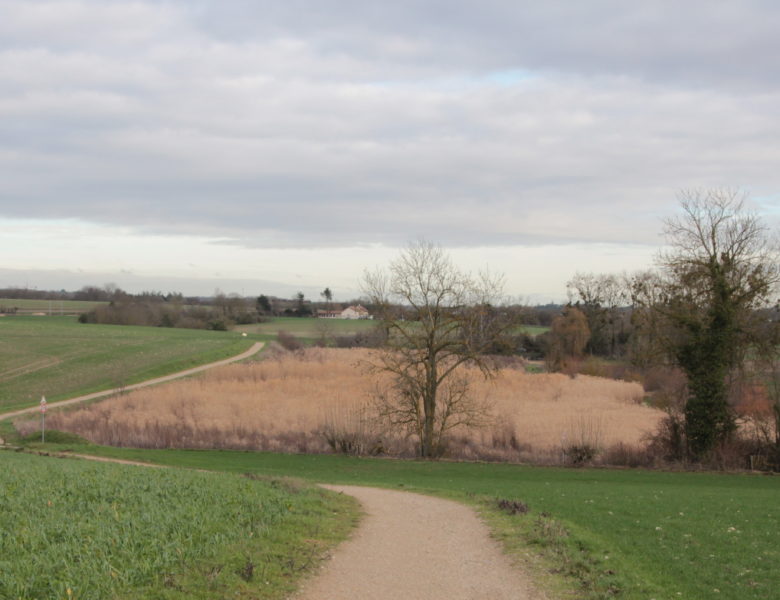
pixel 158 533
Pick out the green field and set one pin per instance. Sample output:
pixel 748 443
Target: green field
pixel 309 328
pixel 49 307
pixel 58 357
pixel 313 329
pixel 156 533
pixel 617 533
pixel 534 330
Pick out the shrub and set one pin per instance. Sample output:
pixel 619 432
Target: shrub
pixel 512 507
pixel 579 455
pixel 288 341
pixel 627 455
pixel 372 338
pixel 353 430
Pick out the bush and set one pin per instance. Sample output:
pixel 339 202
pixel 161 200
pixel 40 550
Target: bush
pixel 598 367
pixel 373 338
pixel 626 455
pixel 579 455
pixel 668 442
pixel 353 430
pixel 218 325
pixel 288 341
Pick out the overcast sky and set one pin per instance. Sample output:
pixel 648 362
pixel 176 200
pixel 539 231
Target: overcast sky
pixel 267 147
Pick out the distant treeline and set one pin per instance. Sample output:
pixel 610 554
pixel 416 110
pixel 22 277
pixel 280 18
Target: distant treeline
pixel 87 293
pixel 222 311
pixel 173 310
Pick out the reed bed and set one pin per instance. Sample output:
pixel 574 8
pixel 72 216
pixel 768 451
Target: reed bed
pixel 309 401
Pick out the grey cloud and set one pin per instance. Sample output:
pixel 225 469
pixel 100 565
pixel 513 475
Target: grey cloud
pixel 296 124
pixel 699 41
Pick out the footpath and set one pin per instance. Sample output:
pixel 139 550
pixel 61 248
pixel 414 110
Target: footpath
pixel 256 347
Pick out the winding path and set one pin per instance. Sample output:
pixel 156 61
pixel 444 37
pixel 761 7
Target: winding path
pixel 415 547
pixel 253 350
pixel 407 547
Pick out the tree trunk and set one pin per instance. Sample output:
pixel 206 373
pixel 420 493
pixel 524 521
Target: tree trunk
pixel 428 443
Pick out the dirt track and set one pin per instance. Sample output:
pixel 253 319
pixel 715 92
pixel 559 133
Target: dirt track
pixel 416 547
pixel 253 350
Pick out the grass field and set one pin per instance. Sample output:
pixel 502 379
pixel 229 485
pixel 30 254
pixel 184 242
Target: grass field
pixel 49 307
pixel 156 533
pixel 309 328
pixel 60 358
pixel 614 533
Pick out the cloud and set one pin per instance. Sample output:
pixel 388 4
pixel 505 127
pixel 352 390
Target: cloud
pixel 295 124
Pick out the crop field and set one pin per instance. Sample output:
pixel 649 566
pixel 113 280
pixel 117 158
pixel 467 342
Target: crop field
pixel 290 402
pixel 47 307
pixel 630 534
pixel 156 532
pixel 58 357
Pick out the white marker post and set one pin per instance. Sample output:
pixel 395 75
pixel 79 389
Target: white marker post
pixel 43 418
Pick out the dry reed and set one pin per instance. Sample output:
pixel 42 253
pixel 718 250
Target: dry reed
pixel 302 401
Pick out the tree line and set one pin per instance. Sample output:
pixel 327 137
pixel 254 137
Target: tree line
pixel 707 311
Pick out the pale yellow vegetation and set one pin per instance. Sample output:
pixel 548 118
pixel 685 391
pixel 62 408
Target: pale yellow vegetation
pixel 289 402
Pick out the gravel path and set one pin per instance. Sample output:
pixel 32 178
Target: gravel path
pixel 253 350
pixel 415 547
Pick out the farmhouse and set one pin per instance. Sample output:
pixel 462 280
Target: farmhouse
pixel 355 312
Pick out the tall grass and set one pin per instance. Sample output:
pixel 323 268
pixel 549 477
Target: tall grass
pixel 296 402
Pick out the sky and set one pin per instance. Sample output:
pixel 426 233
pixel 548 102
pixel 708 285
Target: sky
pixel 270 147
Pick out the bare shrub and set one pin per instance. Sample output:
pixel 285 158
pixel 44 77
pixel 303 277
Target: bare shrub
pixel 288 341
pixel 668 442
pixel 610 369
pixel 512 507
pixel 582 441
pixel 504 434
pixel 353 429
pixel 662 378
pixel 373 338
pixel 627 455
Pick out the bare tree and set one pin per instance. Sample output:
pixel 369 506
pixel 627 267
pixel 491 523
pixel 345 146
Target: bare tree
pixel 438 321
pixel 649 328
